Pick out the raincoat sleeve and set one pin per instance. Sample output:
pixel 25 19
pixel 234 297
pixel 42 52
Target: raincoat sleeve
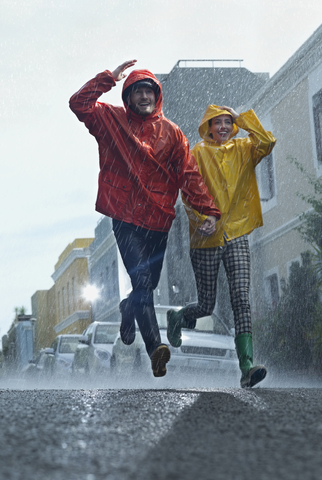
pixel 196 194
pixel 259 142
pixel 84 102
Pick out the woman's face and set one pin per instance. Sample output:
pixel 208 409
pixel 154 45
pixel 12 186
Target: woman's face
pixel 221 128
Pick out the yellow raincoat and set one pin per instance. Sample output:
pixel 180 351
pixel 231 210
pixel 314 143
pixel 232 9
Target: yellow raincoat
pixel 229 173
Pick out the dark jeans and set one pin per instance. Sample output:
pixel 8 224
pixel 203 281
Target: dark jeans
pixel 142 252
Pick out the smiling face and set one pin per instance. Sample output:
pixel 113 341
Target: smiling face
pixel 221 128
pixel 142 100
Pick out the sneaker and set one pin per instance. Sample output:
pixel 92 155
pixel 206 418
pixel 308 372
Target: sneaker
pixel 127 328
pixel 254 376
pixel 174 325
pixel 159 359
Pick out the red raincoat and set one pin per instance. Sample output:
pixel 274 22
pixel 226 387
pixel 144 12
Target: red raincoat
pixel 144 160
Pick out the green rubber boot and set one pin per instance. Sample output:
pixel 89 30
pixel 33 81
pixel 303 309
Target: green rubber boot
pixel 175 321
pixel 250 375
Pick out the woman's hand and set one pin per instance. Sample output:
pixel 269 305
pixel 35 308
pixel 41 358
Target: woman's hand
pixel 208 227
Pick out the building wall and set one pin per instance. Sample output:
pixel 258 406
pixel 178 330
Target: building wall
pixel 39 308
pixel 190 87
pixel 71 276
pixel 285 103
pixel 105 268
pixel 62 309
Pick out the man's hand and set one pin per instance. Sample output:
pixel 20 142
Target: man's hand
pixel 118 72
pixel 208 227
pixel 235 115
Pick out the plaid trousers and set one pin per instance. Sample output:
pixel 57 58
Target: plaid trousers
pixel 205 262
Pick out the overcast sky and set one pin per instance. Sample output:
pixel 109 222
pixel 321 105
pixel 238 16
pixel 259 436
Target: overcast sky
pixel 49 49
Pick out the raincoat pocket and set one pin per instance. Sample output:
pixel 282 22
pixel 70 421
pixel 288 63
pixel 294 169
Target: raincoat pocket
pixel 114 193
pixel 162 197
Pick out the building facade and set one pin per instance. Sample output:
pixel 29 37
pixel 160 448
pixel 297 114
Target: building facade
pixel 18 344
pixel 64 309
pixel 106 273
pixel 290 105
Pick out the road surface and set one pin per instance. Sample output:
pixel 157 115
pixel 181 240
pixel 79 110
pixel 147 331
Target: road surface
pixel 157 431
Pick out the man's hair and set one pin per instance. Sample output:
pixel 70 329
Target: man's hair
pixel 146 82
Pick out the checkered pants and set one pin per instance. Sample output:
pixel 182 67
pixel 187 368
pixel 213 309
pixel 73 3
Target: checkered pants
pixel 205 262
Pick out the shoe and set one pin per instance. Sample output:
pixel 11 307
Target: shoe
pixel 159 359
pixel 127 328
pixel 174 324
pixel 254 376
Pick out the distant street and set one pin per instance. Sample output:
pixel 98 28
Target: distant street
pixel 156 431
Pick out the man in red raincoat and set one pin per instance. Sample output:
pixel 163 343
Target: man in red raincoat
pixel 144 161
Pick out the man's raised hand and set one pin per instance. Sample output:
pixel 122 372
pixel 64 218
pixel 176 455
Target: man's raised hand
pixel 118 73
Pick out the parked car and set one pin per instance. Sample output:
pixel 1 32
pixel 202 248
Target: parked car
pixel 133 359
pixel 94 350
pixel 207 348
pixel 210 347
pixel 129 359
pixel 61 354
pixel 39 367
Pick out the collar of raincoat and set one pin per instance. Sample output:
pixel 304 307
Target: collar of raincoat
pixel 213 111
pixel 135 76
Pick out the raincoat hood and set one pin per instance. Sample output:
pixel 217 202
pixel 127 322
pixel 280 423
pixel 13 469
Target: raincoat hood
pixel 213 111
pixel 137 75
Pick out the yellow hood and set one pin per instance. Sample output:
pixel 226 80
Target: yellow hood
pixel 213 111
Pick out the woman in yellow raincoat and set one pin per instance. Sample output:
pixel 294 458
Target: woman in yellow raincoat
pixel 227 165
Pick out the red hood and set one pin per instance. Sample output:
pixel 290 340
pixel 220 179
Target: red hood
pixel 137 75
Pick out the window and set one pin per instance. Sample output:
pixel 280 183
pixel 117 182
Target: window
pixel 317 116
pixel 73 294
pixel 64 301
pixel 60 315
pixel 266 181
pixel 272 290
pixel 68 299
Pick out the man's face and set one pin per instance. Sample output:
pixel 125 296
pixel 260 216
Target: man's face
pixel 142 100
pixel 221 128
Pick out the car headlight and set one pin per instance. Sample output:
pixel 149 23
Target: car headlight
pixel 102 355
pixel 64 363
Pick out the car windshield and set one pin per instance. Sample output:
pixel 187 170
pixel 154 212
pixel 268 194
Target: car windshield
pixel 68 345
pixel 106 333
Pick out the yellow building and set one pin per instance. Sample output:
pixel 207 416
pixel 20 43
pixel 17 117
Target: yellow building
pixel 63 309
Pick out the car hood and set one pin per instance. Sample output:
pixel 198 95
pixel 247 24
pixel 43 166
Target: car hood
pixel 103 346
pixel 203 339
pixel 66 356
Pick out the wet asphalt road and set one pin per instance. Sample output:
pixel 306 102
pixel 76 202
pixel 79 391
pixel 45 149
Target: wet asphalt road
pixel 157 431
